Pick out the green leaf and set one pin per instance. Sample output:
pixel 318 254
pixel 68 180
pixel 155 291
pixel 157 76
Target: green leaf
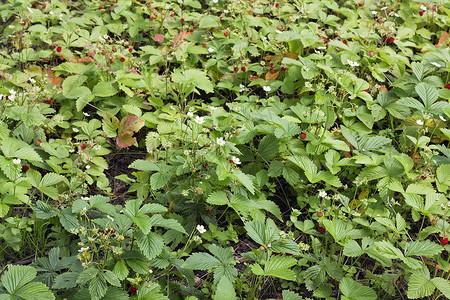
pixel 111 278
pixel 419 285
pixel 427 93
pixel 97 287
pixel 28 154
pixel 17 276
pixel 356 291
pixel 71 83
pixel 193 77
pixel 218 198
pixel 278 266
pixel 120 269
pixel 44 211
pixel 144 165
pixel 245 180
pixel 143 222
pixel 225 290
pixel 35 291
pixel 442 285
pixel 151 244
pixel 290 295
pixel 268 147
pixel 337 228
pixel 51 179
pixel 66 280
pixel 306 165
pixel 201 261
pixel 388 250
pixel 225 255
pixel 352 249
pixel 291 176
pixel 68 220
pixel 159 180
pixel 158 220
pixel 87 275
pixel 104 89
pixel 423 248
pixel 114 293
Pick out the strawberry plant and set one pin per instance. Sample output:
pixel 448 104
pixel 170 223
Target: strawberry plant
pixel 224 150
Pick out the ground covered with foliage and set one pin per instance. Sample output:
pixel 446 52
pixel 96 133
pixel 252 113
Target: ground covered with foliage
pixel 224 149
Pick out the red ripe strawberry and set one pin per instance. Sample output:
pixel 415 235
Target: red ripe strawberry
pixel 361 4
pixel 226 33
pixel 49 101
pixel 372 54
pixel 424 176
pixel 421 13
pixel 324 39
pixel 112 60
pixel 390 40
pixel 133 290
pixel 345 42
pixel 192 30
pixel 231 161
pixel 416 160
pixel 204 45
pixel 272 70
pixel 152 18
pixel 303 135
pixel 46 58
pixel 182 20
pixel 243 69
pixel 320 214
pixel 221 20
pixel 447 86
pixel 321 229
pixel 236 69
pixel 208 211
pixel 366 90
pixel 122 59
pixel 34 5
pixel 444 241
pixel 25 168
pixel 83 146
pixel 114 49
pixel 277 5
pixel 100 8
pixel 58 49
pixel 130 50
pixel 37 143
pixel 283 68
pixel 24 22
pixel 44 6
pixel 172 15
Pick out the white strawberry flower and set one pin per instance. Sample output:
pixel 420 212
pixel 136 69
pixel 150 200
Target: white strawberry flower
pixel 82 249
pixel 267 88
pixel 190 114
pixel 17 161
pixel 419 122
pixel 220 141
pixel 423 7
pixel 199 120
pixel 236 160
pixel 322 194
pixel 201 229
pixel 436 64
